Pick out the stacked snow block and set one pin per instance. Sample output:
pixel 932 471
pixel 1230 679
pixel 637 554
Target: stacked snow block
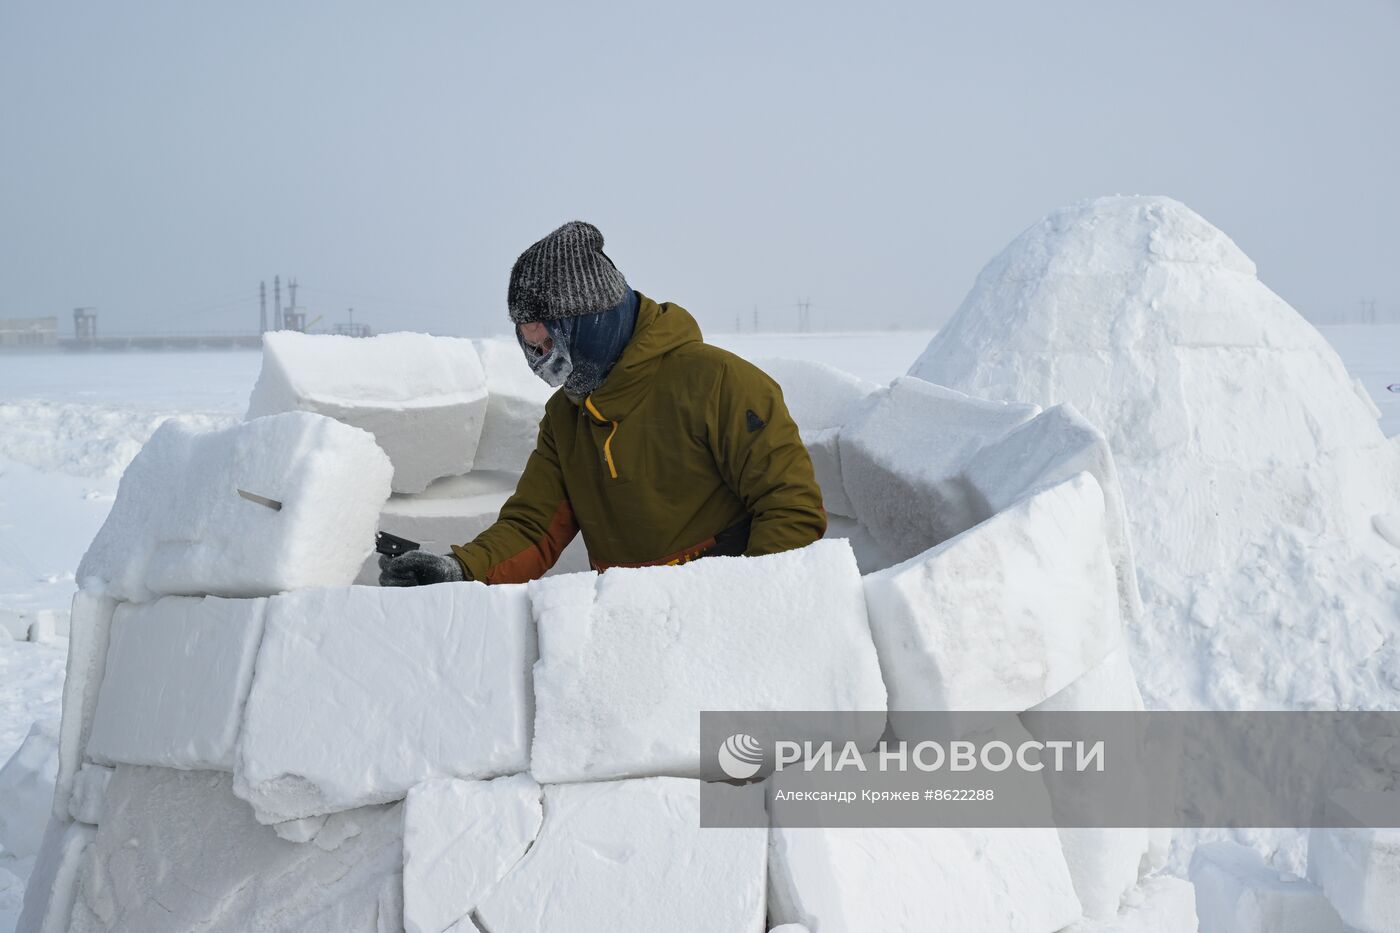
pixel 1237 893
pixel 1358 868
pixel 423 398
pixel 821 399
pixel 515 399
pixel 179 525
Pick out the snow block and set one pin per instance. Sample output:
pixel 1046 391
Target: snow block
pixel 392 687
pixel 178 674
pixel 91 623
pixel 515 399
pixel 629 658
pixel 1161 904
pixel 26 790
pixel 1050 448
pixel 454 510
pixel 460 839
pixel 902 460
pixel 1237 893
pixel 422 397
pixel 824 447
pixel 179 527
pixel 1004 615
pixel 843 880
pixel 818 396
pixel 90 794
pixel 178 852
pixel 53 884
pixel 1104 863
pixel 631 857
pixel 1359 870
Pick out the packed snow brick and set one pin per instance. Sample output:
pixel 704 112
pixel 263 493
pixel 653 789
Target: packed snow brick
pixel 179 525
pixel 1004 615
pixel 821 399
pixel 1237 893
pixel 1105 863
pixel 178 674
pixel 453 510
pixel 631 857
pixel 391 687
pixel 869 555
pixel 1050 448
pixel 53 883
pixel 26 790
pixel 1359 871
pixel 177 852
pixel 1161 904
pixel 460 839
pixel 422 397
pixel 515 399
pixel 89 793
pixel 902 462
pixel 91 623
pixel 902 880
pixel 629 658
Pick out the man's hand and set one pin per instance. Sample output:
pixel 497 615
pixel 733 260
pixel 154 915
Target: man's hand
pixel 417 568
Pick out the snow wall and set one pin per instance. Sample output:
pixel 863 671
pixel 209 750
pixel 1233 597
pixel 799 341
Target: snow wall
pixel 243 751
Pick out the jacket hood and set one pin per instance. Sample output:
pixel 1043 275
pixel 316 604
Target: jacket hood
pixel 660 329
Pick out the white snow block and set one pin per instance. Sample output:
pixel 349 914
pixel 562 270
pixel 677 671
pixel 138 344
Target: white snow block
pixel 1237 893
pixel 869 555
pixel 460 839
pixel 629 658
pixel 843 880
pixel 1161 904
pixel 422 397
pixel 179 527
pixel 818 396
pixel 1049 449
pixel 391 687
pixel 1004 615
pixel 91 622
pixel 178 673
pixel 515 399
pixel 1104 863
pixel 902 460
pixel 53 884
pixel 454 510
pixel 631 857
pixel 90 793
pixel 26 790
pixel 178 852
pixel 1359 870
pixel 824 447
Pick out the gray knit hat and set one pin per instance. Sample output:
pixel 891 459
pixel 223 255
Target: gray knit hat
pixel 564 275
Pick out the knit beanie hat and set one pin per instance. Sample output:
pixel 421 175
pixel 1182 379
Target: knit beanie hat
pixel 564 275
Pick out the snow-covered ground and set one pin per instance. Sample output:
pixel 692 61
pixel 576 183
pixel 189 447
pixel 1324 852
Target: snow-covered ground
pixel 70 423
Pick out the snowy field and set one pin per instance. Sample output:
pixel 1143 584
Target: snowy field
pixel 70 423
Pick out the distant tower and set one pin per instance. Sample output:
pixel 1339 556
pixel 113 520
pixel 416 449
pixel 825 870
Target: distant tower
pixel 277 301
pixel 804 316
pixel 262 307
pixel 85 323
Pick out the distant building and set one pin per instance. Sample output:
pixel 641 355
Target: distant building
pixel 29 332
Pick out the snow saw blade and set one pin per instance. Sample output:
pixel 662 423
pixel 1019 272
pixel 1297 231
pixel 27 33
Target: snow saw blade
pixel 261 500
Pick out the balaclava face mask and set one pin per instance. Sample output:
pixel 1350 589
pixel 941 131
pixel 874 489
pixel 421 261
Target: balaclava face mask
pixel 585 348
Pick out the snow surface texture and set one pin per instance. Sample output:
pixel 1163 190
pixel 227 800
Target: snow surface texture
pixel 515 399
pixel 176 853
pixel 629 658
pixel 1359 871
pixel 422 397
pixel 1161 904
pixel 1251 468
pixel 453 510
pixel 358 663
pixel 1237 893
pixel 630 857
pixel 180 527
pixel 177 675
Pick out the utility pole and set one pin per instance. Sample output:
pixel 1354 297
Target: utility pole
pixel 277 300
pixel 292 289
pixel 804 316
pixel 262 307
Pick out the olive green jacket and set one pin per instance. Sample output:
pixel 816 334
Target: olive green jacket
pixel 685 450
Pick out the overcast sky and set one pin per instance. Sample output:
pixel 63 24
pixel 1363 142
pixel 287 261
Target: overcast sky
pixel 158 159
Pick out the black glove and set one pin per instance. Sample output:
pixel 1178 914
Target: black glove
pixel 419 568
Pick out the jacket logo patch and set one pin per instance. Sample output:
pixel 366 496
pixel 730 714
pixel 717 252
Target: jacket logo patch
pixel 753 421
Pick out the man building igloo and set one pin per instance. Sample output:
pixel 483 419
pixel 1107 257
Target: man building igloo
pixel 1253 468
pixel 659 447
